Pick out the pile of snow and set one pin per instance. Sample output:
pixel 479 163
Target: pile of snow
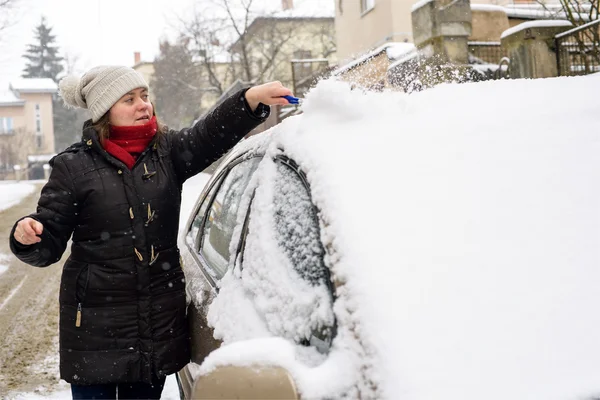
pixel 170 392
pixel 462 228
pixel 13 193
pixel 8 98
pixel 552 23
pixel 34 85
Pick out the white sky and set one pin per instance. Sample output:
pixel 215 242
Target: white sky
pixel 97 31
pixel 103 32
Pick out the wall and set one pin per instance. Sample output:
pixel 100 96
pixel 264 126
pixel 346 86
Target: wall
pixel 11 150
pixel 146 69
pixel 371 74
pixel 357 34
pixel 488 25
pixel 45 102
pixel 402 20
pixel 17 113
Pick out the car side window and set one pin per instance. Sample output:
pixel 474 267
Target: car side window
pixel 222 217
pixel 192 236
pixel 297 226
pixel 298 235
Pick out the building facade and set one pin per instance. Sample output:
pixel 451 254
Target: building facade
pixel 364 25
pixel 26 128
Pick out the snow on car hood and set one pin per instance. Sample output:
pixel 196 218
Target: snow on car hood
pixel 463 225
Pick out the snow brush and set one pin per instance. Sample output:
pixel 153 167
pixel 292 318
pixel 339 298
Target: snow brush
pixel 292 99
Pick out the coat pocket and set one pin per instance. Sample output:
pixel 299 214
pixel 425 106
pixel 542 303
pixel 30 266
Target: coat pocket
pixel 81 286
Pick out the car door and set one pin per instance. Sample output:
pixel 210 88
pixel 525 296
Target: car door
pixel 284 220
pixel 208 240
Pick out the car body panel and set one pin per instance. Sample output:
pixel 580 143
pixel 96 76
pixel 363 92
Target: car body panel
pixel 255 382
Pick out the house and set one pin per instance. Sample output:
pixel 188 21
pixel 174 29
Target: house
pixel 291 41
pixel 26 128
pixel 368 29
pixel 145 68
pixel 364 25
pixel 289 45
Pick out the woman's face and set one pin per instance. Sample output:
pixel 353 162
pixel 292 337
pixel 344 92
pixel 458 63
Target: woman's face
pixel 134 108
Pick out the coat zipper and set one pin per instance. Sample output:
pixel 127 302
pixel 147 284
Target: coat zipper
pixel 78 318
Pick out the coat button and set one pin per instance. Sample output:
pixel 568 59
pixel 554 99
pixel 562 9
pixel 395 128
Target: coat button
pixel 120 172
pixel 89 142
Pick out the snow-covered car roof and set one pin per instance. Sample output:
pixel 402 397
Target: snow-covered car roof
pixel 463 226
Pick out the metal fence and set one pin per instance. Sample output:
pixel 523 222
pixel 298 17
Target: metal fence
pixel 578 50
pixel 488 52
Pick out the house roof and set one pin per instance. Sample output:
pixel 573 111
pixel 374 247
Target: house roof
pixel 393 50
pixel 141 64
pixel 8 99
pixel 33 85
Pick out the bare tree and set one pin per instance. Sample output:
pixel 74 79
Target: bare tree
pixel 583 47
pixel 175 78
pixel 13 150
pixel 7 8
pixel 236 39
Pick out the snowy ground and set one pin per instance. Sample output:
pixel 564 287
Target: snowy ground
pixel 13 192
pixel 16 281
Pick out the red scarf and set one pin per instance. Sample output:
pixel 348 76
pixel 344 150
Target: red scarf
pixel 126 143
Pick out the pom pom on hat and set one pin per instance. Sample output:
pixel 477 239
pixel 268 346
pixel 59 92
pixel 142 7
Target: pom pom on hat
pixel 71 92
pixel 99 88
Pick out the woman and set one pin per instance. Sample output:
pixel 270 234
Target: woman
pixel 118 192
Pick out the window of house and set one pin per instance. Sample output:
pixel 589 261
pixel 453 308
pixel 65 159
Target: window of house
pixel 302 69
pixel 39 141
pixel 222 217
pixel 6 126
pixel 366 5
pixel 38 119
pixel 302 54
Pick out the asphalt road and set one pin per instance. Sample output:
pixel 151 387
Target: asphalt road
pixel 28 315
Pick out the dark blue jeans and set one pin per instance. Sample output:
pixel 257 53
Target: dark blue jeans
pixel 121 391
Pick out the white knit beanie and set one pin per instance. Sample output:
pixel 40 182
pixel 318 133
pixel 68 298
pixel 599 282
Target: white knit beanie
pixel 99 88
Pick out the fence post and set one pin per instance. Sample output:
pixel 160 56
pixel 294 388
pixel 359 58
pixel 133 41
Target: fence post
pixel 442 28
pixel 531 48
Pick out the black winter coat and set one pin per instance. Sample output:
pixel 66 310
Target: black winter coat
pixel 122 294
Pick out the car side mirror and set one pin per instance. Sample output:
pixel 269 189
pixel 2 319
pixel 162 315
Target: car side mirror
pixel 256 382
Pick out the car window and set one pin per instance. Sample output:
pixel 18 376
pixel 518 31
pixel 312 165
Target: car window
pixel 222 217
pixel 298 235
pixel 297 226
pixel 192 236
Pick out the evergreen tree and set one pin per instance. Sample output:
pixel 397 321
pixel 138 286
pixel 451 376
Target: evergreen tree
pixel 44 61
pixel 174 86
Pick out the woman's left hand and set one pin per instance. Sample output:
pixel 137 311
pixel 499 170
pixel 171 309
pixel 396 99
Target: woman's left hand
pixel 268 93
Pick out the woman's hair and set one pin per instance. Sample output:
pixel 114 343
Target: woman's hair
pixel 103 127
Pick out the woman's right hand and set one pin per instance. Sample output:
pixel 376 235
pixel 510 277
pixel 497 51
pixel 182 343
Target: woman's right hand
pixel 27 231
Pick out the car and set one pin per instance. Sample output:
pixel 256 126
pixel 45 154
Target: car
pixel 442 244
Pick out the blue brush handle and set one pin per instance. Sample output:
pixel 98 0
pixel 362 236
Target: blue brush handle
pixel 292 99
